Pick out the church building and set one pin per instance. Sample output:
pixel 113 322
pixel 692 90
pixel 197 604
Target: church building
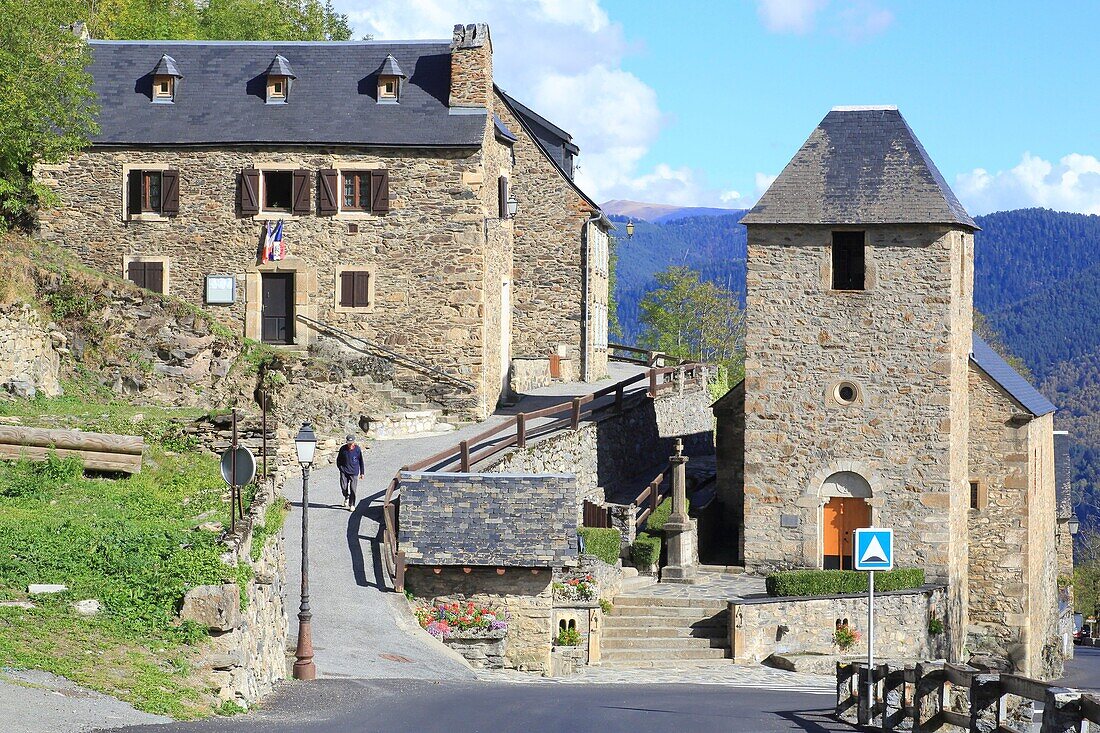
pixel 868 400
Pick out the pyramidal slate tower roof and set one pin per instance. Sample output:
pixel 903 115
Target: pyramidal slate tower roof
pixel 862 165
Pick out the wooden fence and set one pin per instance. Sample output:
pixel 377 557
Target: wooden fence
pixel 98 451
pixel 516 431
pixel 934 696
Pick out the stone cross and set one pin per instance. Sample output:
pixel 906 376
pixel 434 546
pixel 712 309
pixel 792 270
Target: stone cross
pixel 679 530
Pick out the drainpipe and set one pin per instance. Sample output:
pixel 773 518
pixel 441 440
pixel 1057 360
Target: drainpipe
pixel 586 313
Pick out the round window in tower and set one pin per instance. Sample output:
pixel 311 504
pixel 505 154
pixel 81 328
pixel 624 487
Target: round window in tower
pixel 846 393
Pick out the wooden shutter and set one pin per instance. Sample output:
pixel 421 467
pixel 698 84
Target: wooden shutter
pixel 328 188
pixel 135 273
pixel 362 289
pixel 502 197
pixel 133 193
pixel 299 193
pixel 380 191
pixel 170 192
pixel 347 289
pixel 154 276
pixel 248 198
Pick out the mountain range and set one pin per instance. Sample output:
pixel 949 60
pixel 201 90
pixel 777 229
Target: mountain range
pixel 1036 279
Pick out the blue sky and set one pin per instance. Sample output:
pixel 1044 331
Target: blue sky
pixel 704 102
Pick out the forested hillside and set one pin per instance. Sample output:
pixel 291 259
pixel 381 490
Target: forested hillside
pixel 1037 279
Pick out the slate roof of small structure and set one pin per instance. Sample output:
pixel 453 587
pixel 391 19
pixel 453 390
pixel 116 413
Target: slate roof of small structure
pixel 389 67
pixel 167 67
pixel 503 131
pixel 280 67
pixel 861 165
pixel 222 99
pixel 495 520
pixel 990 362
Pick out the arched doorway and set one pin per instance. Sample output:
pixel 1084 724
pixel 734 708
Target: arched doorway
pixel 846 509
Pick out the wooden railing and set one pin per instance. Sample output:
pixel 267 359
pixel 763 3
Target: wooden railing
pixel 945 697
pixel 635 355
pixel 651 497
pixel 516 431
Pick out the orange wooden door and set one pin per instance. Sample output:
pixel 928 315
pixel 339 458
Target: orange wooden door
pixel 841 517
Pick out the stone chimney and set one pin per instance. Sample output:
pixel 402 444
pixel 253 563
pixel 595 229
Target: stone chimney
pixel 80 30
pixel 471 66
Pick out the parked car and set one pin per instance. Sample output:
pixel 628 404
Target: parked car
pixel 1084 632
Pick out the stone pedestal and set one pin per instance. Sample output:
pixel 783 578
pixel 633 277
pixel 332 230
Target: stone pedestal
pixel 679 529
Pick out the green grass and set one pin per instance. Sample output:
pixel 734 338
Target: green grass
pixel 273 523
pixel 130 543
pixel 603 543
pixel 840 582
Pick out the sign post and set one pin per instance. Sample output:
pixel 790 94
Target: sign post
pixel 874 551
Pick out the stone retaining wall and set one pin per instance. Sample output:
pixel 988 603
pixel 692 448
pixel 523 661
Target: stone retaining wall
pixel 29 361
pixel 766 626
pixel 247 651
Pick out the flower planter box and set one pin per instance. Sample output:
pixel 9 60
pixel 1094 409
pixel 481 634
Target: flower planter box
pixel 482 650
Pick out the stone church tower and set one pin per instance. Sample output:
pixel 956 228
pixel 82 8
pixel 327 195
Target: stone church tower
pixel 859 295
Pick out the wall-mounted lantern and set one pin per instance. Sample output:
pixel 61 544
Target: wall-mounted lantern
pixel 630 230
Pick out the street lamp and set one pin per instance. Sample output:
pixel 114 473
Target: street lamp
pixel 1074 524
pixel 513 207
pixel 305 443
pixel 629 229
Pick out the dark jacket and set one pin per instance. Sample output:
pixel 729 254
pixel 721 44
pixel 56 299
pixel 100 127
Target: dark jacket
pixel 350 461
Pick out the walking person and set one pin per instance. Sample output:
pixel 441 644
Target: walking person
pixel 350 462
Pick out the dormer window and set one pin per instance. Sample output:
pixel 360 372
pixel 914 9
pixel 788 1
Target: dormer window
pixel 166 76
pixel 389 81
pixel 279 78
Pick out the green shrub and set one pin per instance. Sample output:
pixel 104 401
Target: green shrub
pixel 606 606
pixel 840 582
pixel 603 543
pixel 646 550
pixel 568 637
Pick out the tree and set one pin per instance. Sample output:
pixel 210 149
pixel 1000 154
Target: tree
pixel 1086 574
pixel 46 103
pixel 690 319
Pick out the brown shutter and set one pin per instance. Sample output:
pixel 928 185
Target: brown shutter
pixel 380 191
pixel 347 289
pixel 362 291
pixel 133 193
pixel 299 193
pixel 154 276
pixel 328 188
pixel 170 193
pixel 502 197
pixel 135 273
pixel 248 195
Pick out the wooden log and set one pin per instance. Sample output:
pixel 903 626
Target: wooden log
pixel 71 440
pixel 93 460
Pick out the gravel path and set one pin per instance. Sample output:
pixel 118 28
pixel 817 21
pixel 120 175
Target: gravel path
pixel 359 629
pixel 40 702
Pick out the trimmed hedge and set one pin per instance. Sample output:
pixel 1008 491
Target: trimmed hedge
pixel 657 520
pixel 840 582
pixel 603 543
pixel 646 550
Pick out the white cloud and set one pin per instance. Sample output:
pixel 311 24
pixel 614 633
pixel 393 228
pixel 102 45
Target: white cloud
pixel 789 16
pixel 854 20
pixel 1071 184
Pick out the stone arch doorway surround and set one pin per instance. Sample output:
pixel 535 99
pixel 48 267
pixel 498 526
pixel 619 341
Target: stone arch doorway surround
pixel 842 496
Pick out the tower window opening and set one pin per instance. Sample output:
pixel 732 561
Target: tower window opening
pixel 849 261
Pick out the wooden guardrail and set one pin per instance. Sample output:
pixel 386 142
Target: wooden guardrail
pixel 934 696
pixel 516 431
pixel 98 451
pixel 635 355
pixel 651 497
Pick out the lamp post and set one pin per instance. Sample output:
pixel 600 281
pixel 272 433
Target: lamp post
pixel 305 443
pixel 1074 524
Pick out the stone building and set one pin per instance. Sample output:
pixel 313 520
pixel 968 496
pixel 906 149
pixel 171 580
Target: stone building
pixel 869 401
pixel 419 206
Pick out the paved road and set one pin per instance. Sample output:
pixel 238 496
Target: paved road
pixel 359 631
pixel 32 701
pixel 1083 671
pixel 339 706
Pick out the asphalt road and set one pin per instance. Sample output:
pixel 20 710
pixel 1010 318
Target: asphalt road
pixel 424 706
pixel 1083 671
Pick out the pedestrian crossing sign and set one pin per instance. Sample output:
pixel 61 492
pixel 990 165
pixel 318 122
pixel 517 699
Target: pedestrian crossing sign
pixel 874 549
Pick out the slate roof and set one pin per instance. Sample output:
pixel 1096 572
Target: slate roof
pixel 861 165
pixel 554 141
pixel 167 67
pixel 389 67
pixel 990 362
pixel 496 520
pixel 280 67
pixel 222 99
pixel 503 131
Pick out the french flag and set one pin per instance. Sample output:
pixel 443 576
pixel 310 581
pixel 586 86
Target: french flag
pixel 275 242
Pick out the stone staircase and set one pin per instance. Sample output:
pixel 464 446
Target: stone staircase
pixel 654 631
pixel 415 416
